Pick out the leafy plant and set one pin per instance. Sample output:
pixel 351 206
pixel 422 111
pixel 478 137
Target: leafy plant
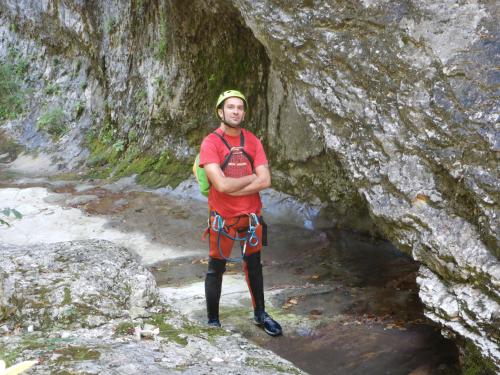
pixel 132 136
pixel 52 122
pixel 79 108
pixel 161 47
pixel 111 25
pixel 11 93
pixel 52 89
pixel 107 133
pixel 140 95
pixel 119 146
pixel 9 212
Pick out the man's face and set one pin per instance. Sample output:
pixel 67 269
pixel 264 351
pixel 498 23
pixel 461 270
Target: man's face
pixel 233 111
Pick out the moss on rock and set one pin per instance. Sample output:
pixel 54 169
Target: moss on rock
pixel 152 170
pixel 473 363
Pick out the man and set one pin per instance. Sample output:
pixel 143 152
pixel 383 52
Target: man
pixel 237 168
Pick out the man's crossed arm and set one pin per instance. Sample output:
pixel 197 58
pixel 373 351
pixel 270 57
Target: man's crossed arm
pixel 245 185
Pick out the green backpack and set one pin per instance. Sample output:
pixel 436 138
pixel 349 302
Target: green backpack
pixel 201 177
pixel 199 172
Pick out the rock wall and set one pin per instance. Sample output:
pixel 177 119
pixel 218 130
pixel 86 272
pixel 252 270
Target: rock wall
pixel 385 111
pixel 405 97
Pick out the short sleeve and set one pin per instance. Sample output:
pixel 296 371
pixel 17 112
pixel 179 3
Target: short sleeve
pixel 208 152
pixel 260 154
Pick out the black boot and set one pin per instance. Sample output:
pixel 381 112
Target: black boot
pixel 213 286
pixel 256 285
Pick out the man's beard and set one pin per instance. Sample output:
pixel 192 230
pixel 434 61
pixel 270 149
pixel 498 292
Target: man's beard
pixel 232 125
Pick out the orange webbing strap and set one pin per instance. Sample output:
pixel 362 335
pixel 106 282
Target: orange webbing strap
pixel 207 229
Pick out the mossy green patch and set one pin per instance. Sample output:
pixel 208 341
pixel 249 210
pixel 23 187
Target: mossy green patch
pixel 167 330
pixel 102 154
pixel 188 328
pixel 152 170
pixel 35 344
pixel 209 333
pixel 52 122
pixel 473 363
pixel 12 95
pixel 161 47
pixel 52 89
pixel 76 353
pixel 10 147
pixel 9 356
pixel 42 343
pixel 67 296
pixel 6 312
pixel 124 328
pixel 164 170
pixel 266 364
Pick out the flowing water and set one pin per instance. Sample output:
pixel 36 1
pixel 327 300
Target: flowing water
pixel 348 304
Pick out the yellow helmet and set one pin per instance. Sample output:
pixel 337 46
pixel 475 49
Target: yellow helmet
pixel 230 94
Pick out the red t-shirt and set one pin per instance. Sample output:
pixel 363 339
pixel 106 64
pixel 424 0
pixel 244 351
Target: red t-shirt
pixel 213 150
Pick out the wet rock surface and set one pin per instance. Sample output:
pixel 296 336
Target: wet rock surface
pixel 87 307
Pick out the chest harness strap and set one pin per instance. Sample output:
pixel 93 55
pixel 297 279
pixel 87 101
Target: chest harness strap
pixel 231 149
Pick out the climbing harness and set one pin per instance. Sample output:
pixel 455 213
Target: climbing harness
pixel 250 238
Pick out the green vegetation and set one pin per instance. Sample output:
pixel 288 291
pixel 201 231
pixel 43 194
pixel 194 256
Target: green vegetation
pixel 125 328
pixel 9 147
pixel 140 95
pixel 67 296
pixel 121 158
pixel 13 353
pixel 76 353
pixel 111 25
pixel 132 136
pixel 161 50
pixel 166 329
pixel 11 93
pixel 52 122
pixel 119 145
pixel 79 108
pixel 269 365
pixel 475 364
pixel 9 356
pixel 176 334
pixel 139 6
pixel 52 89
pixel 9 212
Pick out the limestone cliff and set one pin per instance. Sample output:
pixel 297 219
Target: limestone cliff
pixel 385 111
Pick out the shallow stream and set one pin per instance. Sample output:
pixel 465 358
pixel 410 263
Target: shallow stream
pixel 348 304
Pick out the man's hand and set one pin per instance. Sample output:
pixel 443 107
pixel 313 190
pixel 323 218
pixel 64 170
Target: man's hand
pixel 261 182
pixel 225 184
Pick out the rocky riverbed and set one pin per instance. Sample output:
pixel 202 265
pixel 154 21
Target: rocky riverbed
pixel 342 298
